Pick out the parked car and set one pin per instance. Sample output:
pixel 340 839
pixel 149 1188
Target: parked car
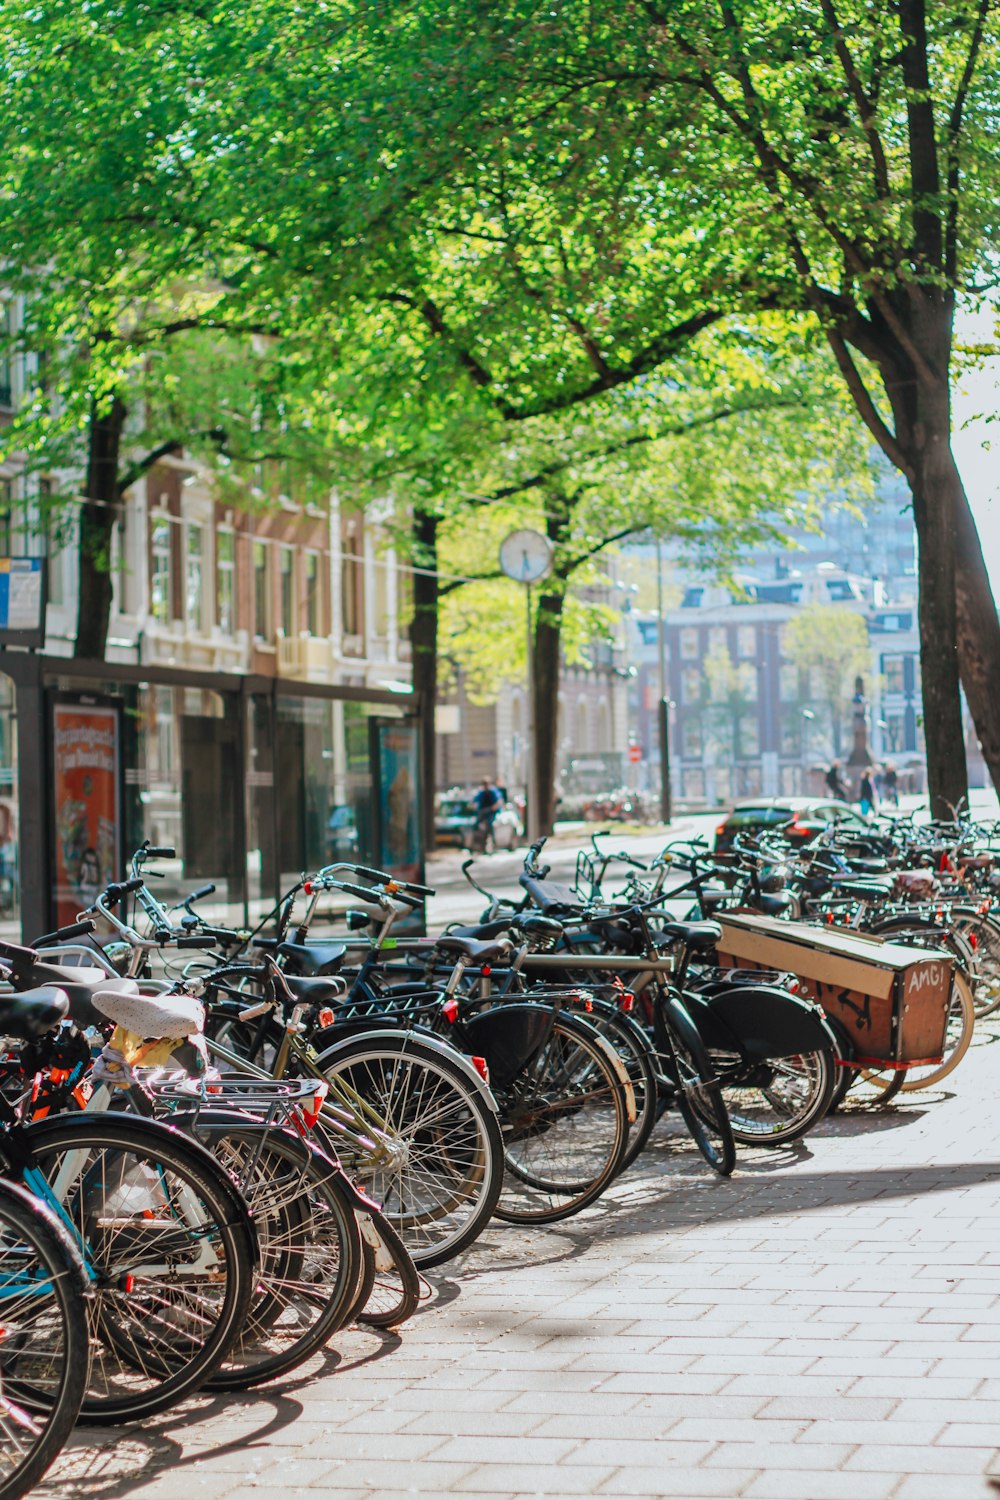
pixel 798 819
pixel 455 822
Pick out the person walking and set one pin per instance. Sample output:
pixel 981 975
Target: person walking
pixel 488 802
pixel 890 784
pixel 866 793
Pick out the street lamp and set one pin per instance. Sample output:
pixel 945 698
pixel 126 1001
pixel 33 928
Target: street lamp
pixel 807 718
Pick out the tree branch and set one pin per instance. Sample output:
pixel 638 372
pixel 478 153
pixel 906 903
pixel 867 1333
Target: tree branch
pixel 142 466
pixel 864 105
pixel 951 146
pixel 866 407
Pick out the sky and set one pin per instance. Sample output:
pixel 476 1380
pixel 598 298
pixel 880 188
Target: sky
pixel 975 399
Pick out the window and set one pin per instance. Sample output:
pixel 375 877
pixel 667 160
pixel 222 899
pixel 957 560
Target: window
pixel 693 783
pixel 193 577
pixel 225 581
pixel 352 581
pixel 689 643
pixel 286 559
pixel 892 671
pixel 792 724
pixel 749 738
pixel 159 583
pixel 718 640
pixel 691 738
pixel 6 517
pixel 788 682
pixel 6 358
pixel 313 599
pixel 261 592
pixel 746 640
pixel 747 677
pixel 690 685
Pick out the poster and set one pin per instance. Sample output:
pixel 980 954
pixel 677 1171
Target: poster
pixel 399 843
pixel 86 741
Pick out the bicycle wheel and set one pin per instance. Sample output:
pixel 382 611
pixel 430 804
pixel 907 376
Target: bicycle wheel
pixel 982 933
pixel 693 1085
pixel 44 1349
pixel 394 1294
pixel 310 1249
pixel 565 1125
pixel 635 1048
pixel 167 1241
pixel 439 1183
pixel 782 1099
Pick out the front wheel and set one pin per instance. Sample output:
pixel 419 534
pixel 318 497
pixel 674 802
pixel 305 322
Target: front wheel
pixel 694 1087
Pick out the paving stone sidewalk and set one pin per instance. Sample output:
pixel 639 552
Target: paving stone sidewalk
pixel 821 1327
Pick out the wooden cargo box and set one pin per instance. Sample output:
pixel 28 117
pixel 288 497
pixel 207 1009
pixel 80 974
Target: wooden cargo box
pixel 891 999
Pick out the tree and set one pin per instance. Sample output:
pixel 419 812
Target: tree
pixel 829 646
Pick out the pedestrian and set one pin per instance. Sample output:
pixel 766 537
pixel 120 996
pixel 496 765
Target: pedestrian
pixel 890 785
pixel 835 782
pixel 866 793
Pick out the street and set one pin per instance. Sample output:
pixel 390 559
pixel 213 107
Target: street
pixel 819 1327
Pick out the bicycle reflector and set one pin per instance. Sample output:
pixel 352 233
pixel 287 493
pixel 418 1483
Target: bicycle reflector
pixel 326 1016
pixel 311 1107
pixel 482 1068
pixel 450 1011
pixel 973 940
pixel 308 887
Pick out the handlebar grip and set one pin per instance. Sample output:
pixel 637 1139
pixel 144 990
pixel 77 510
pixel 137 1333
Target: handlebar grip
pixel 163 852
pixel 64 934
pixel 202 892
pixel 17 954
pixel 379 875
pixel 253 1011
pixel 404 896
pixel 123 888
pixel 196 940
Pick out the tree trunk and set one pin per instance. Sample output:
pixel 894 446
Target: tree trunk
pixel 97 521
pixel 548 650
pixel 424 649
pixel 978 632
pixel 934 513
pixel 547 642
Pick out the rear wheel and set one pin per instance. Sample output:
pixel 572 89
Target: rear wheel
pixel 439 1180
pixel 565 1125
pixel 168 1243
pixel 782 1100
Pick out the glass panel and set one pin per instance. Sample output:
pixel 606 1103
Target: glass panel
pixel 287 591
pixel 159 583
pixel 261 591
pixel 193 581
pixel 312 594
pixel 225 581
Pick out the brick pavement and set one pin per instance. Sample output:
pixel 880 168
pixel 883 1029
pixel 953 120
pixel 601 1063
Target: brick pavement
pixel 821 1327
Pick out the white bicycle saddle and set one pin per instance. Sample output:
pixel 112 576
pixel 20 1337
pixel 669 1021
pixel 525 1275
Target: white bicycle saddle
pixel 166 1017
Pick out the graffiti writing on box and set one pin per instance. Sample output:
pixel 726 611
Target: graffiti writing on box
pixel 927 977
pixel 830 995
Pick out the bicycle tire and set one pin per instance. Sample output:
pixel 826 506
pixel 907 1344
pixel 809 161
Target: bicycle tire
pixel 576 1080
pixel 394 1294
pixel 985 966
pixel 635 1048
pixel 310 1250
pixel 690 1074
pixel 440 1191
pixel 810 1075
pixel 962 1008
pixel 42 1391
pixel 110 1178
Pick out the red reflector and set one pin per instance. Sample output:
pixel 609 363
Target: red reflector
pixel 311 1110
pixel 720 830
pixel 481 1067
pixel 628 1001
pixel 588 1005
pixel 973 941
pixel 485 971
pixel 308 887
pixel 128 1282
pixel 450 1010
pixel 326 1016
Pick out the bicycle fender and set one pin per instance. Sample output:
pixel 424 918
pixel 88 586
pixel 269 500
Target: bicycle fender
pixel 766 1022
pixel 426 1039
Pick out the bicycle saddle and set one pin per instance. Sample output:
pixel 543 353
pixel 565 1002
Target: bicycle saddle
pixel 476 953
pixel 32 1013
pixel 693 935
pixel 863 887
pixel 81 985
pixel 305 958
pixel 165 1017
pixel 319 991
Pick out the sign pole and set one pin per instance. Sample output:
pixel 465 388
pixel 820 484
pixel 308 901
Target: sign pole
pixel 531 819
pixel 663 708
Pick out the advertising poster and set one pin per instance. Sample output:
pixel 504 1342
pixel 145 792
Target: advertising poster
pixel 399 809
pixel 87 815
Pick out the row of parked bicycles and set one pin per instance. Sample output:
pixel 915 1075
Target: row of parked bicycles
pixel 219 1147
